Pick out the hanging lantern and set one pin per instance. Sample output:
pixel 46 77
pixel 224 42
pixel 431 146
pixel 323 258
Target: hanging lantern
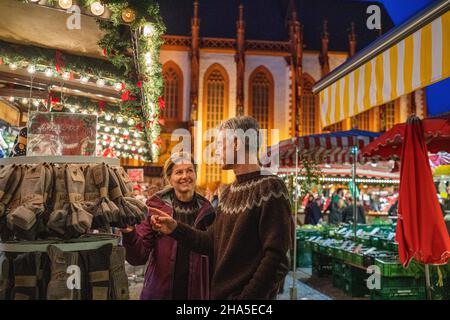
pixel 128 15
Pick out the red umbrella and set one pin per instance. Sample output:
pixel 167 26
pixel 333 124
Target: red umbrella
pixel 421 230
pixel 436 133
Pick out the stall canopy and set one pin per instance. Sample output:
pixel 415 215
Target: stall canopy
pixel 409 57
pixel 325 148
pixel 389 145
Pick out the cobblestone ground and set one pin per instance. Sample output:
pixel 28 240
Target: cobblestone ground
pixel 308 287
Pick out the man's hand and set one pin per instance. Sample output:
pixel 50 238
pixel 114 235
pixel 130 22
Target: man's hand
pixel 162 222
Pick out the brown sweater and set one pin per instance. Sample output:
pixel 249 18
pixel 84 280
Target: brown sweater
pixel 249 240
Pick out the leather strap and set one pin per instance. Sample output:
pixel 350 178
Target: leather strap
pixel 25 281
pixel 98 276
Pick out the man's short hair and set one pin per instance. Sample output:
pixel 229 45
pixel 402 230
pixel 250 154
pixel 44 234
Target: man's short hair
pixel 245 124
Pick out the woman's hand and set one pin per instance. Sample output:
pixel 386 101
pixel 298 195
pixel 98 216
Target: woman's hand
pixel 162 222
pixel 128 229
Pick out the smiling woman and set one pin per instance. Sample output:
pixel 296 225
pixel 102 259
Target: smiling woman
pixel 174 272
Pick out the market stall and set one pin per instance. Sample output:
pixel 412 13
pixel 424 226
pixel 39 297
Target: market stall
pixel 85 110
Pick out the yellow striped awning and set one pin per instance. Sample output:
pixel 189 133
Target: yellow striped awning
pixel 418 60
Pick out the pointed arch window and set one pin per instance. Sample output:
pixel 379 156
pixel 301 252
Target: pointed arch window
pixel 261 91
pixel 215 111
pixel 308 114
pixel 173 92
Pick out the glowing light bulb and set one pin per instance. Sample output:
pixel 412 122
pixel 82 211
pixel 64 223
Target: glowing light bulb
pixel 107 129
pixel 130 122
pixel 118 86
pixel 65 4
pixel 149 29
pixel 119 120
pixel 13 66
pixel 126 133
pixel 121 140
pixel 116 131
pixel 113 138
pixel 49 72
pixel 66 76
pixel 104 143
pixel 31 69
pixel 97 8
pixel 108 117
pixel 101 82
pixel 84 79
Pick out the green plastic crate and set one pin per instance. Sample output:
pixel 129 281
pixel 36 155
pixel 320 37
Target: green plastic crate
pixel 357 259
pixel 390 268
pixel 401 282
pixel 413 293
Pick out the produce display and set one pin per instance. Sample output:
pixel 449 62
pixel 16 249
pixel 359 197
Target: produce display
pixel 333 252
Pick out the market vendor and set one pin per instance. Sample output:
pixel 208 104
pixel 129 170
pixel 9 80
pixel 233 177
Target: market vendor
pixel 174 272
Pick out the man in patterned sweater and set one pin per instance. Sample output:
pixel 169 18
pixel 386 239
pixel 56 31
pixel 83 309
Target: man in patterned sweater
pixel 253 230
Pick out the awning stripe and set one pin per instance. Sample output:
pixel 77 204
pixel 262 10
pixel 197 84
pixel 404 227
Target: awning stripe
pixel 414 62
pixel 436 49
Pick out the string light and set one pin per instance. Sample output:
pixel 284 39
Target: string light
pixel 148 30
pixel 126 133
pixel 100 82
pixel 65 4
pixel 48 72
pixel 108 117
pixel 148 59
pixel 73 111
pixel 84 79
pixel 104 143
pixel 130 122
pixel 116 131
pixel 31 69
pixel 24 101
pixel 119 120
pixel 113 138
pixel 97 8
pixel 66 76
pixel 118 86
pixel 13 66
pixel 11 99
pixel 107 129
pixel 136 135
pixel 36 103
pixel 121 140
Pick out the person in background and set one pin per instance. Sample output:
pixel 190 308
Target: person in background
pixel 393 209
pixel 313 215
pixel 138 193
pixel 174 271
pixel 336 207
pixel 347 213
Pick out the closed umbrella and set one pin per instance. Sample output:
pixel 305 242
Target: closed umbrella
pixel 421 231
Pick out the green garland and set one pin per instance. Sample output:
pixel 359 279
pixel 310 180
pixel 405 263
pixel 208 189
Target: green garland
pixel 148 83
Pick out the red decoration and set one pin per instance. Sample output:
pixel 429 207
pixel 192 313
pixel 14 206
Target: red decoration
pixel 158 141
pixel 126 95
pixel 105 53
pixel 139 127
pixel 59 62
pixel 101 105
pixel 54 100
pixel 123 86
pixel 109 152
pixel 161 103
pixel 132 98
pixel 139 84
